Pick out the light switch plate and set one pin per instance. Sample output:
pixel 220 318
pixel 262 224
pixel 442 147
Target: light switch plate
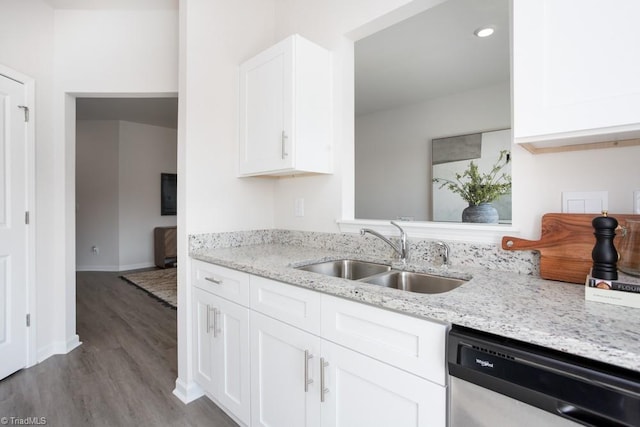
pixel 585 201
pixel 636 202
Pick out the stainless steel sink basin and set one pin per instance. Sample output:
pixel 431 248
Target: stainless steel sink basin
pixel 347 268
pixel 415 282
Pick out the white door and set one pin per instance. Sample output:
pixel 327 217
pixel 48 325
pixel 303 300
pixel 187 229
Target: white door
pixel 360 391
pixel 281 355
pixel 13 230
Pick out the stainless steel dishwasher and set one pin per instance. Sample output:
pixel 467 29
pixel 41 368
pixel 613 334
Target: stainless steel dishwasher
pixel 496 381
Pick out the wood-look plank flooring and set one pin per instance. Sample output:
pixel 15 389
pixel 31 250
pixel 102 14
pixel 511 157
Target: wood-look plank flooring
pixel 122 375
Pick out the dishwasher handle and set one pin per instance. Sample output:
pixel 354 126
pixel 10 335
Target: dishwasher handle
pixel 583 416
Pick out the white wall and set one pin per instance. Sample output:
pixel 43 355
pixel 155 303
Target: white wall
pixel 393 148
pixel 118 167
pixel 97 194
pixel 542 178
pixel 215 37
pixel 538 180
pixel 107 53
pixel 145 152
pixel 26 45
pixel 330 24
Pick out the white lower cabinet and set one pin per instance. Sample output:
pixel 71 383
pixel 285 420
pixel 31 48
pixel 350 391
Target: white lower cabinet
pixel 358 390
pixel 285 385
pixel 361 391
pixel 272 365
pixel 222 352
pixel 343 387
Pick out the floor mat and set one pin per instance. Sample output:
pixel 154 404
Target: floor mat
pixel 161 284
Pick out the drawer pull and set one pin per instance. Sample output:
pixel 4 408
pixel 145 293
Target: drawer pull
pixel 307 356
pixel 323 389
pixel 213 280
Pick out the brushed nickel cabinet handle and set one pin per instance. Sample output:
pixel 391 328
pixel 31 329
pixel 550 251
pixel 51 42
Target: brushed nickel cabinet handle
pixel 208 318
pixel 216 330
pixel 284 142
pixel 213 280
pixel 323 389
pixel 307 356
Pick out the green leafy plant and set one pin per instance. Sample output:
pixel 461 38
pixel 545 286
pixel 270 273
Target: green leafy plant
pixel 477 188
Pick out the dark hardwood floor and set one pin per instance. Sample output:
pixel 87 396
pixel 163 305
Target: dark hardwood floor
pixel 122 375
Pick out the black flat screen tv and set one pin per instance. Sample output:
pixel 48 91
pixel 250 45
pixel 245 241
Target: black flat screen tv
pixel 168 193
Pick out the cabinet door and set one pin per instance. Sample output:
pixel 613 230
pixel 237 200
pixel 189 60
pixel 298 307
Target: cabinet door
pixel 360 391
pixel 230 332
pixel 575 71
pixel 221 330
pixel 203 354
pixel 279 355
pixel 266 103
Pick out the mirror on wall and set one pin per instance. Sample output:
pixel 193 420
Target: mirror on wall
pixel 427 77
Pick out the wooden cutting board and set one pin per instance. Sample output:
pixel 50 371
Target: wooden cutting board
pixel 565 245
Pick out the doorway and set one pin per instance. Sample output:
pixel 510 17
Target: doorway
pixel 123 148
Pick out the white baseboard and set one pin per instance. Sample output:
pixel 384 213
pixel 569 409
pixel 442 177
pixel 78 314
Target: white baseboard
pixel 58 347
pixel 97 268
pixel 114 268
pixel 72 343
pixel 187 392
pixel 137 266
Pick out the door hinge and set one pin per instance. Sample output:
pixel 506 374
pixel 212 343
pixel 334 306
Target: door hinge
pixel 26 112
pixel 26 217
pixel 28 320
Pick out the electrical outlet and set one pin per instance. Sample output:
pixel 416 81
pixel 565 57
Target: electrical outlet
pixel 585 201
pixel 636 202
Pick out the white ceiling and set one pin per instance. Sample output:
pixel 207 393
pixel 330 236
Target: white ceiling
pixel 433 54
pixel 151 111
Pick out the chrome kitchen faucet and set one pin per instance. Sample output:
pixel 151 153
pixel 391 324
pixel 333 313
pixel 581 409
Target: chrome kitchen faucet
pixel 402 251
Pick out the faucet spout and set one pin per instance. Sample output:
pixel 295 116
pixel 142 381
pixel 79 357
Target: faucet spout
pixel 402 250
pixel 446 250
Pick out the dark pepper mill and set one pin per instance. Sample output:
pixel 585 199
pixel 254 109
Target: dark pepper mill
pixel 604 254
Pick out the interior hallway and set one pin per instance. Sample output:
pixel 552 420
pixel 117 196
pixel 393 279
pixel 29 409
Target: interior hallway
pixel 122 375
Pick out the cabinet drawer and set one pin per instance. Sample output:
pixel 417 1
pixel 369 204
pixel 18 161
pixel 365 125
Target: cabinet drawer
pixel 290 304
pixel 230 284
pixel 415 345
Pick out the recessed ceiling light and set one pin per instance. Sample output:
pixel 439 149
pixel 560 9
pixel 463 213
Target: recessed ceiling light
pixel 484 31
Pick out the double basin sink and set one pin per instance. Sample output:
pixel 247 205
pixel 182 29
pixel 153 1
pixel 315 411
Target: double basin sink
pixel 383 275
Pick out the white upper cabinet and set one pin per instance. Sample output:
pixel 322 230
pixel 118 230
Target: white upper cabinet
pixel 576 68
pixel 285 110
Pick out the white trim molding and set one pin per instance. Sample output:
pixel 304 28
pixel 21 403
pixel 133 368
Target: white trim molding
pixel 458 232
pixel 187 392
pixel 58 347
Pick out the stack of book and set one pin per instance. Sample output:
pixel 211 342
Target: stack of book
pixel 624 291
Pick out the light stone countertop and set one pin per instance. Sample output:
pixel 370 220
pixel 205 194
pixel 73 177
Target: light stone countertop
pixel 548 313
